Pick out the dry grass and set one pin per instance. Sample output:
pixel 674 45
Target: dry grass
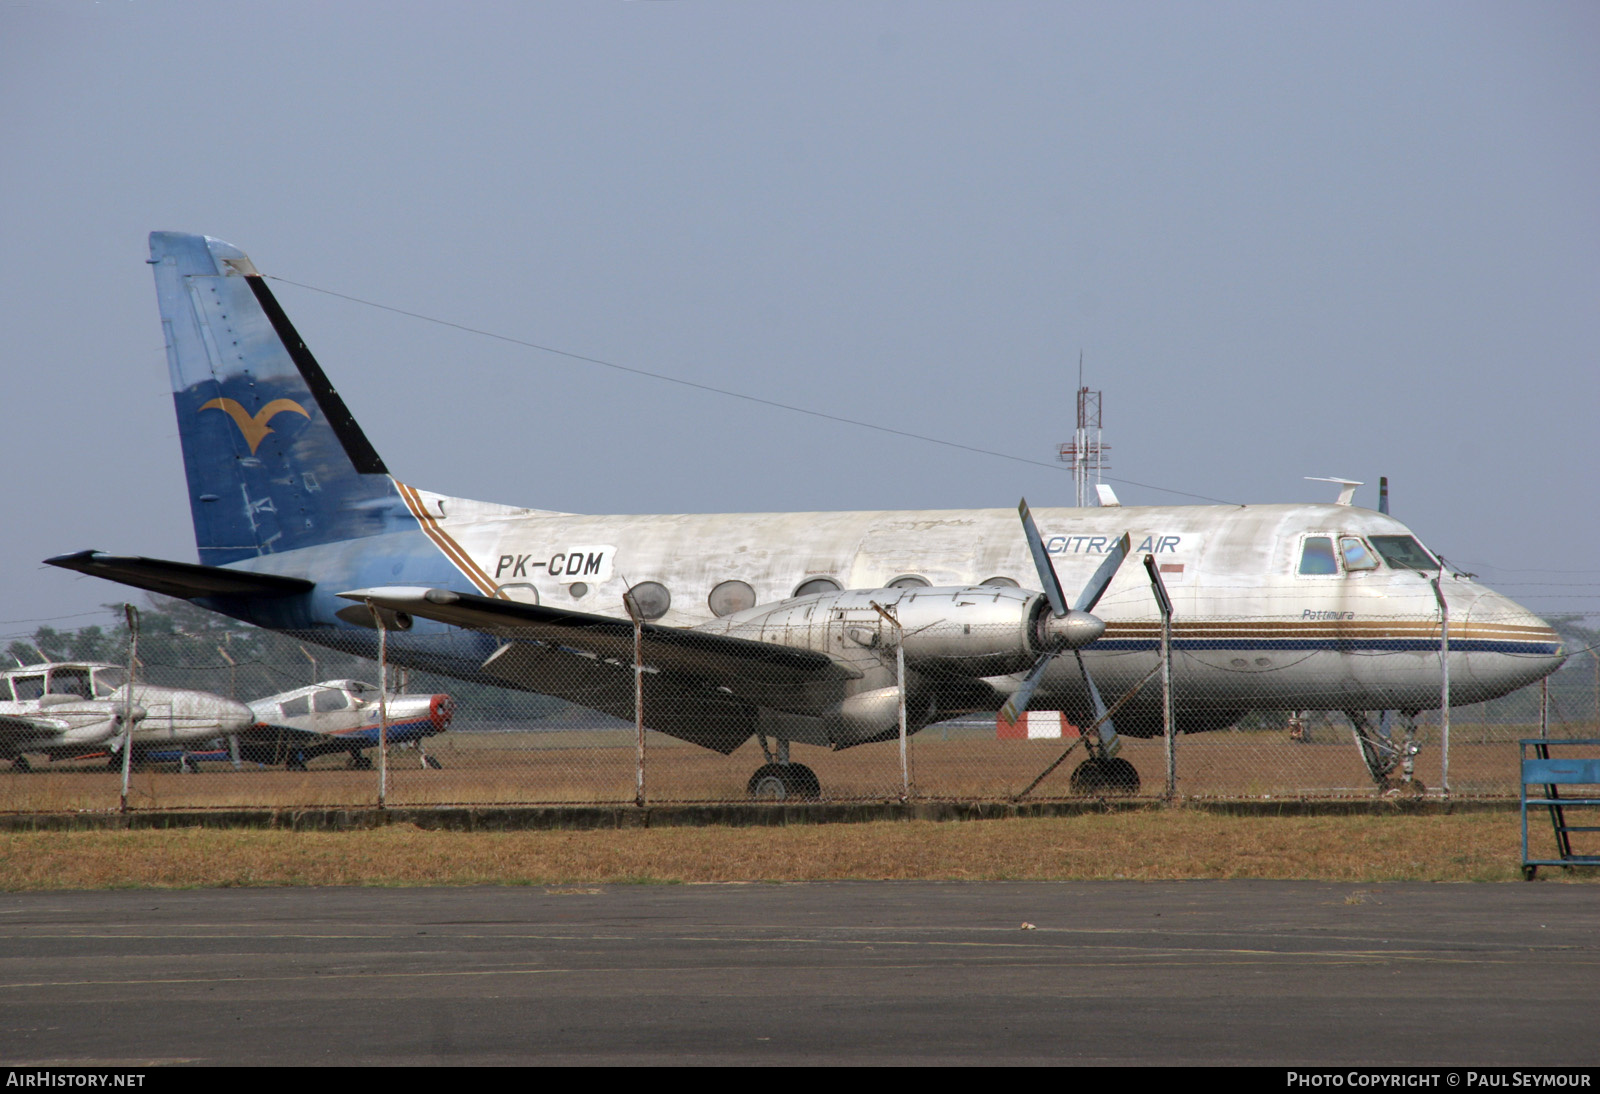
pixel 1147 845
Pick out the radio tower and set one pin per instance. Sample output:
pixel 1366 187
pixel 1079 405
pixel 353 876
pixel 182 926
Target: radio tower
pixel 1085 452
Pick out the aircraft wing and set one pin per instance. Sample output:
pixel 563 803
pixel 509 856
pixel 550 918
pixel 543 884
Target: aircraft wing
pixel 668 649
pixel 184 580
pixel 699 687
pixel 32 726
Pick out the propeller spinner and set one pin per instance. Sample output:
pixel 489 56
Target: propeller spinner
pixel 1067 628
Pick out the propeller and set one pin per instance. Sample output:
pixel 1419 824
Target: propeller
pixel 1067 628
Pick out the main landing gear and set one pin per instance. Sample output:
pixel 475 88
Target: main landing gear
pixel 1383 754
pixel 779 780
pixel 1096 776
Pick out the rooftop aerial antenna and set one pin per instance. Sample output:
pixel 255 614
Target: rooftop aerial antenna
pixel 1086 451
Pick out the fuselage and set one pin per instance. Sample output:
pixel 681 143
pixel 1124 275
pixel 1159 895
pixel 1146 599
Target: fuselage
pixel 1252 627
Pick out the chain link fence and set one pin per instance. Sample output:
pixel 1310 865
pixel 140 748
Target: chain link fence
pixel 332 725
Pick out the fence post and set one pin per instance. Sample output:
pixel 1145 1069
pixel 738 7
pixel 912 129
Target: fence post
pixel 383 703
pixel 1444 688
pixel 131 614
pixel 1544 707
pixel 638 692
pixel 900 687
pixel 1164 603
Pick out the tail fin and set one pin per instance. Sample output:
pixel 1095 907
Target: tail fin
pixel 274 460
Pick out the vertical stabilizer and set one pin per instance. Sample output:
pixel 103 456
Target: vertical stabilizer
pixel 274 459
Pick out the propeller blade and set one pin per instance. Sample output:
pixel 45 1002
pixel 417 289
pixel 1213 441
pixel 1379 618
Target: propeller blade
pixel 1017 705
pixel 1041 562
pixel 1096 588
pixel 1107 731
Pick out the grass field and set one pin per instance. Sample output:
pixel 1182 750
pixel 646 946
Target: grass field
pixel 1149 844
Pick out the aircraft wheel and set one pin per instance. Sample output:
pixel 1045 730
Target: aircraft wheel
pixel 359 762
pixel 295 762
pixel 434 763
pixel 768 784
pixel 186 766
pixel 1100 777
pixel 21 764
pixel 803 782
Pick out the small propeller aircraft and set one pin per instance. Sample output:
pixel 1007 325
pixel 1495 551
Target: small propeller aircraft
pixel 340 716
pixel 296 726
pixel 94 694
pixel 785 626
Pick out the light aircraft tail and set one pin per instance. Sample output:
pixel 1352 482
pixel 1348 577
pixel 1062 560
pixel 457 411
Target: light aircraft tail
pixel 274 459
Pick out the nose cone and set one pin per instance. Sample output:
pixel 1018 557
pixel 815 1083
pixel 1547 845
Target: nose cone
pixel 1507 646
pixel 234 717
pixel 1072 631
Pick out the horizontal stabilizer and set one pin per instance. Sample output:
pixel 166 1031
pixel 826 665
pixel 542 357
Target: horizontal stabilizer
pixel 186 580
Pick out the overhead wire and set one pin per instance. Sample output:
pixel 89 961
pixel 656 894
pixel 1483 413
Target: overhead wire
pixel 712 389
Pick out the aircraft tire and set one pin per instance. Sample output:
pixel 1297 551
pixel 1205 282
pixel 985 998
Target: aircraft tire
pixel 768 784
pixel 296 761
pixel 804 782
pixel 358 762
pixel 1099 778
pixel 784 782
pixel 20 763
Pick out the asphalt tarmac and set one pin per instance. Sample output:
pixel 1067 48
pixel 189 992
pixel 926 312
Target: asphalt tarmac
pixel 1282 973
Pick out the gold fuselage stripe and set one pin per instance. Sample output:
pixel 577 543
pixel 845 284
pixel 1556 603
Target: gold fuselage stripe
pixel 452 550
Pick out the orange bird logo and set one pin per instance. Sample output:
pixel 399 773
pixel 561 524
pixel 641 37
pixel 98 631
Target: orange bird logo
pixel 255 429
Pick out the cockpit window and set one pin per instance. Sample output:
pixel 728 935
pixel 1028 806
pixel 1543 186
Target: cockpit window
pixel 1404 553
pixel 1356 555
pixel 28 687
pixel 329 699
pixel 70 681
pixel 1316 557
pixel 108 680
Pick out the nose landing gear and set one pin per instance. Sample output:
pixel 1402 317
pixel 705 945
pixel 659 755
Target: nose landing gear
pixel 1383 754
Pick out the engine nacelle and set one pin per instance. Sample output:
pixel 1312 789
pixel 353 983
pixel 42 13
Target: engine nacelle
pixel 977 630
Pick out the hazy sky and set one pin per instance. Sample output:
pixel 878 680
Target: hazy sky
pixel 1338 239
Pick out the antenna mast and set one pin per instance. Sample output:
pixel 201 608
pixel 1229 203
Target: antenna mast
pixel 1086 452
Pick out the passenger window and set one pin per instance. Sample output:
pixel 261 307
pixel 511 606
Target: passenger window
pixel 1353 549
pixel 1316 557
pixel 296 708
pixel 28 687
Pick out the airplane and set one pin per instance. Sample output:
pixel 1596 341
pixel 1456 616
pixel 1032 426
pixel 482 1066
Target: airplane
pixel 785 626
pixel 167 716
pixel 333 716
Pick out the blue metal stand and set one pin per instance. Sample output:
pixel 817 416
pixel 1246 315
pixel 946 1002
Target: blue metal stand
pixel 1550 773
